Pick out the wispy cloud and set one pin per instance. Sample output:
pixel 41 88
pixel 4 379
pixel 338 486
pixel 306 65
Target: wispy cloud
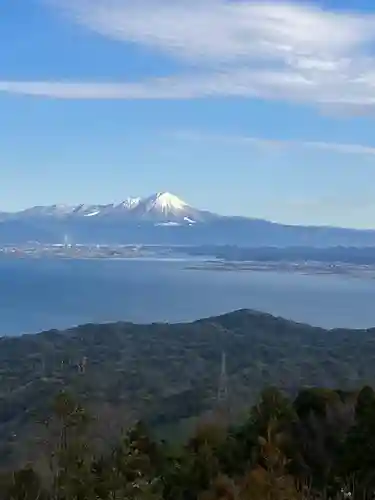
pixel 270 49
pixel 356 149
pixel 342 148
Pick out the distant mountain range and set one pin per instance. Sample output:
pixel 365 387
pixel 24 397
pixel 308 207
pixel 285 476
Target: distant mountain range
pixel 163 218
pixel 160 208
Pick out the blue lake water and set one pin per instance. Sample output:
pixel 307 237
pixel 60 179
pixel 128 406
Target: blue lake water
pixel 42 294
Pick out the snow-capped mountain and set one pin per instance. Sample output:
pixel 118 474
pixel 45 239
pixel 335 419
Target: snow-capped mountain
pixel 159 208
pixel 47 211
pixel 167 208
pixel 163 219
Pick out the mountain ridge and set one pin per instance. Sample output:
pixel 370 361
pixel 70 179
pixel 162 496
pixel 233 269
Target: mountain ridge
pixel 159 207
pixel 167 373
pixel 165 219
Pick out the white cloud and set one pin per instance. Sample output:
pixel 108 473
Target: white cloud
pixel 356 149
pixel 269 49
pixel 223 30
pixel 343 148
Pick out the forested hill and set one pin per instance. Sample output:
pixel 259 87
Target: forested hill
pixel 167 374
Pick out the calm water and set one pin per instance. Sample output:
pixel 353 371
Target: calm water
pixel 38 295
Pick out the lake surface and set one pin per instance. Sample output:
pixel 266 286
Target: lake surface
pixel 37 295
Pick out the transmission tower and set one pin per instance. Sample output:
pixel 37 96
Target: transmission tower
pixel 82 365
pixel 223 411
pixel 222 393
pixel 43 366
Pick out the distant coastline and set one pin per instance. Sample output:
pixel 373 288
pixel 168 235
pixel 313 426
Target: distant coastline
pixel 308 268
pixel 345 261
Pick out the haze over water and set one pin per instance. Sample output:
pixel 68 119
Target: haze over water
pixel 44 294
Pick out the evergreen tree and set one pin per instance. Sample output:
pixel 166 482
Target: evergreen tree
pixel 357 464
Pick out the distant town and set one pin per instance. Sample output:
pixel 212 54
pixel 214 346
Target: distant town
pixel 78 251
pixel 208 258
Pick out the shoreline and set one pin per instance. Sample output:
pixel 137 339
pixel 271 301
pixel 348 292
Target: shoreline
pixel 308 268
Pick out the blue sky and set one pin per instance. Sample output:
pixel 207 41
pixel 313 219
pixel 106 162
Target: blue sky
pixel 264 109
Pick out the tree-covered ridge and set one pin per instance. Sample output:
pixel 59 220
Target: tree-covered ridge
pixel 167 374
pixel 318 446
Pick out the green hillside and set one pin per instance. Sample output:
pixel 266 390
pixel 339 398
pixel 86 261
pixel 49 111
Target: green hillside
pixel 167 374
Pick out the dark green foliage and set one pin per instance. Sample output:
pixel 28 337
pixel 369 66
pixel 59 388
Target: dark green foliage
pixel 24 484
pixel 167 374
pixel 131 470
pixel 259 459
pixel 70 460
pixel 315 401
pixel 358 451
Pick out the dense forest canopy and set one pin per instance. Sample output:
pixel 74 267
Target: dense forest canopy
pixel 167 375
pixel 318 446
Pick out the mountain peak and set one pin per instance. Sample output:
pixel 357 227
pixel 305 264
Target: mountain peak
pixel 165 202
pixel 165 207
pixel 162 208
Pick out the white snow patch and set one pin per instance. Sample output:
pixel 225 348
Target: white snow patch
pixel 92 214
pixel 164 202
pixel 163 207
pixel 130 203
pixel 191 221
pixel 168 224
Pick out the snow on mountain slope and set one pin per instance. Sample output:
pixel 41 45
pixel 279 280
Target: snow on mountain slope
pixel 130 203
pixel 161 208
pixel 164 207
pixel 121 209
pixel 52 210
pixel 164 202
pixel 92 214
